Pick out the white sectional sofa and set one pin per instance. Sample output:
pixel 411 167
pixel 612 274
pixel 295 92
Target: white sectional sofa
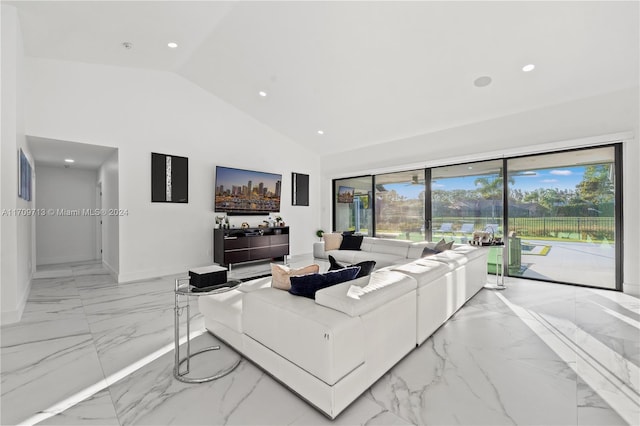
pixel 331 349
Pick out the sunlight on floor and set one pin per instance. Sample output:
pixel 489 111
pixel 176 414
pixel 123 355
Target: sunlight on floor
pixel 588 358
pixel 103 384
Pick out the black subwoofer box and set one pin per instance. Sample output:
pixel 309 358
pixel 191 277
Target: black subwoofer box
pixel 208 276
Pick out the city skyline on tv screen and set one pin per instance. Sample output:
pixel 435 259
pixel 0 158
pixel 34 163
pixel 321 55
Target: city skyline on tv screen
pixel 240 191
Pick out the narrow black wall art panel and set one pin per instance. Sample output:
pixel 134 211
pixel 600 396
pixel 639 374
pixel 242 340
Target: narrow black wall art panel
pixel 169 178
pixel 299 189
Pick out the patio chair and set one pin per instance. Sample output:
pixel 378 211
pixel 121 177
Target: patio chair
pixel 467 228
pixel 465 231
pixel 444 228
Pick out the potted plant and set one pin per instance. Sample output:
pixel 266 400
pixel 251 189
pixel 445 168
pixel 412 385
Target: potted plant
pixel 319 233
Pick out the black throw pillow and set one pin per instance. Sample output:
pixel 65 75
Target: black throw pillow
pixel 334 265
pixel 307 285
pixel 429 252
pixel 351 242
pixel 366 267
pixel 348 233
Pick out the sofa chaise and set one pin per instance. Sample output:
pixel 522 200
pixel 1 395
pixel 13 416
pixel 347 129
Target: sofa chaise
pixel 331 349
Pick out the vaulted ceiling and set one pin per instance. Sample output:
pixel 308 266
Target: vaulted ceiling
pixel 362 72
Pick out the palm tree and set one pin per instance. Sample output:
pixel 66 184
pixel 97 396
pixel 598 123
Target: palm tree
pixel 491 189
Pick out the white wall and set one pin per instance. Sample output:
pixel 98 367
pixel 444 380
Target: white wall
pixel 108 178
pixel 571 124
pixel 62 238
pixel 143 111
pixel 17 231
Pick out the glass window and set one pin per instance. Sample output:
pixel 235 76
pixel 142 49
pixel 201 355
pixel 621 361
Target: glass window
pixel 467 198
pixel 562 216
pixel 399 205
pixel 562 211
pixel 353 206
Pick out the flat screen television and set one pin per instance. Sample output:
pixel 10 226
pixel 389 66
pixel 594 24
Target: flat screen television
pixel 247 192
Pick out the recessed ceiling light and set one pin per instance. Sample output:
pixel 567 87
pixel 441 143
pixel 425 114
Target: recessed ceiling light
pixel 69 160
pixel 262 93
pixel 127 45
pixel 529 67
pixel 470 168
pixel 172 45
pixel 321 132
pixel 482 81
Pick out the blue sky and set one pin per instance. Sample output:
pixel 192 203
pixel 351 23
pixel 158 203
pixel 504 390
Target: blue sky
pixel 564 178
pixel 561 178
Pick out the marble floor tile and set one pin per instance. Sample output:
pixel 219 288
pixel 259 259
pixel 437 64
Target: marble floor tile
pixel 94 281
pixel 52 299
pixel 132 320
pixel 535 353
pixel 593 410
pixel 151 396
pixel 46 367
pixel 480 372
pixel 54 273
pixel 97 410
pixel 90 267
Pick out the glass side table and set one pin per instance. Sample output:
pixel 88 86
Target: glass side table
pixel 499 284
pixel 183 289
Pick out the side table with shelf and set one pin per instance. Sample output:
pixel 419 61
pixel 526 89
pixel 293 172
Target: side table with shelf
pixel 183 289
pixel 499 284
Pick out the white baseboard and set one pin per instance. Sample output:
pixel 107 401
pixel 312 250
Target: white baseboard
pixel 64 259
pixel 11 317
pixel 631 289
pixel 154 273
pixel 111 270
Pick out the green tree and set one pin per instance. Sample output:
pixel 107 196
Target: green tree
pixel 596 186
pixel 549 198
pixel 490 188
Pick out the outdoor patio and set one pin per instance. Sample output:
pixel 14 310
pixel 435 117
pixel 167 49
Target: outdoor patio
pixel 590 264
pixel 576 262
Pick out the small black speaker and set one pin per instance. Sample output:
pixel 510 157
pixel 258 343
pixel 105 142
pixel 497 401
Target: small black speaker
pixel 208 276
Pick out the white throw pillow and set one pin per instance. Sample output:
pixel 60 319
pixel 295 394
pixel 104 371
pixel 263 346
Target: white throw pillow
pixel 332 241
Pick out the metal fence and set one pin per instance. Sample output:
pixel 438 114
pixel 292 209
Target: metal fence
pixel 579 228
pixel 574 228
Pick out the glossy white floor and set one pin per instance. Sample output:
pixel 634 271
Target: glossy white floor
pixel 89 351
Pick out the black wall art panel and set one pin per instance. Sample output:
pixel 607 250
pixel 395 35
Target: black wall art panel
pixel 299 189
pixel 169 178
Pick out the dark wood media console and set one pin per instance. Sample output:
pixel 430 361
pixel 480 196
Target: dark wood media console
pixel 244 245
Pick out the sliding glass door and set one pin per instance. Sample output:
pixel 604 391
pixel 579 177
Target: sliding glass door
pixel 400 205
pixel 562 210
pixel 558 213
pixel 467 198
pixel 353 207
